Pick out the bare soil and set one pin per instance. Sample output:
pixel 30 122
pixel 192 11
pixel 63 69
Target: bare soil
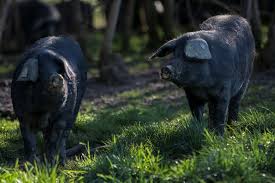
pixel 104 95
pixel 96 92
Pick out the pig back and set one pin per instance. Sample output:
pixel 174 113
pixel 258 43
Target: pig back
pixel 236 46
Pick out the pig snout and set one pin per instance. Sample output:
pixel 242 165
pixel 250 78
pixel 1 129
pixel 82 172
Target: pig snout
pixel 56 82
pixel 167 72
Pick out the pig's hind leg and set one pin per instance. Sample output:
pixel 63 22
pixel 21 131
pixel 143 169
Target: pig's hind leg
pixel 234 105
pixel 218 109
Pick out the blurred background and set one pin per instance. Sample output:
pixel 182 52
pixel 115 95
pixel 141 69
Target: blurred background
pixel 117 36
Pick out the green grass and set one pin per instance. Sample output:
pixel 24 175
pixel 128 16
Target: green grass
pixel 156 142
pixel 6 69
pixel 148 135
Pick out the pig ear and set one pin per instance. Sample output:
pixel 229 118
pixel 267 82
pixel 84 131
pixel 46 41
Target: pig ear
pixel 197 49
pixel 164 50
pixel 29 71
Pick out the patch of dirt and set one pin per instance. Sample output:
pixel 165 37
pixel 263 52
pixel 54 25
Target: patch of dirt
pixel 107 95
pixel 146 83
pixel 97 92
pixel 95 89
pixel 6 109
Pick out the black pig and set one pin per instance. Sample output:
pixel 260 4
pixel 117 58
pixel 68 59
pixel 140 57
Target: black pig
pixel 47 89
pixel 28 21
pixel 213 65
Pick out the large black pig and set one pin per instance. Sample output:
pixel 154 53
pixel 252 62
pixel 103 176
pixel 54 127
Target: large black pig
pixel 28 21
pixel 47 89
pixel 213 65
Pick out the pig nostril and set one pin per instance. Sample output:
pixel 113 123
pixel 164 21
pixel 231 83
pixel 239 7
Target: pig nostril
pixel 56 80
pixel 166 70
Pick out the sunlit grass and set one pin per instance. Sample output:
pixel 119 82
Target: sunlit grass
pixel 6 69
pixel 157 142
pixel 149 136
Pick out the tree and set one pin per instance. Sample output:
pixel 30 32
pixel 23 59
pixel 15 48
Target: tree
pixel 168 19
pixel 76 17
pixel 190 15
pixel 11 33
pixel 4 6
pixel 111 66
pixel 152 23
pixel 127 22
pixel 250 10
pixel 267 53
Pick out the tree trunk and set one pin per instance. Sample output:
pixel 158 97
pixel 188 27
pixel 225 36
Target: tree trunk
pixel 21 40
pixel 3 19
pixel 76 26
pixel 111 27
pixel 152 23
pixel 256 24
pixel 127 23
pixel 267 56
pixel 13 39
pixel 250 11
pixel 76 17
pixel 168 19
pixel 111 66
pixel 190 14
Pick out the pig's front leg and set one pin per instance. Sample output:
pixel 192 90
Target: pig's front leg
pixel 62 147
pixel 29 139
pixel 56 142
pixel 218 109
pixel 196 106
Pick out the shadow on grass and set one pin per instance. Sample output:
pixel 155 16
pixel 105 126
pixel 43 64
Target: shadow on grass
pixel 142 150
pixel 174 139
pixel 93 127
pixel 103 125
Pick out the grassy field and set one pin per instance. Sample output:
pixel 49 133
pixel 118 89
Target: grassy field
pixel 151 138
pixel 146 134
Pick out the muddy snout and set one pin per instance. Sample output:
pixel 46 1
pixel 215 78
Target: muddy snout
pixel 56 82
pixel 167 72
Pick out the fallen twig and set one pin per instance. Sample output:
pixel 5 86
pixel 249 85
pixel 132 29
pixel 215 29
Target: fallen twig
pixel 75 150
pixel 79 148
